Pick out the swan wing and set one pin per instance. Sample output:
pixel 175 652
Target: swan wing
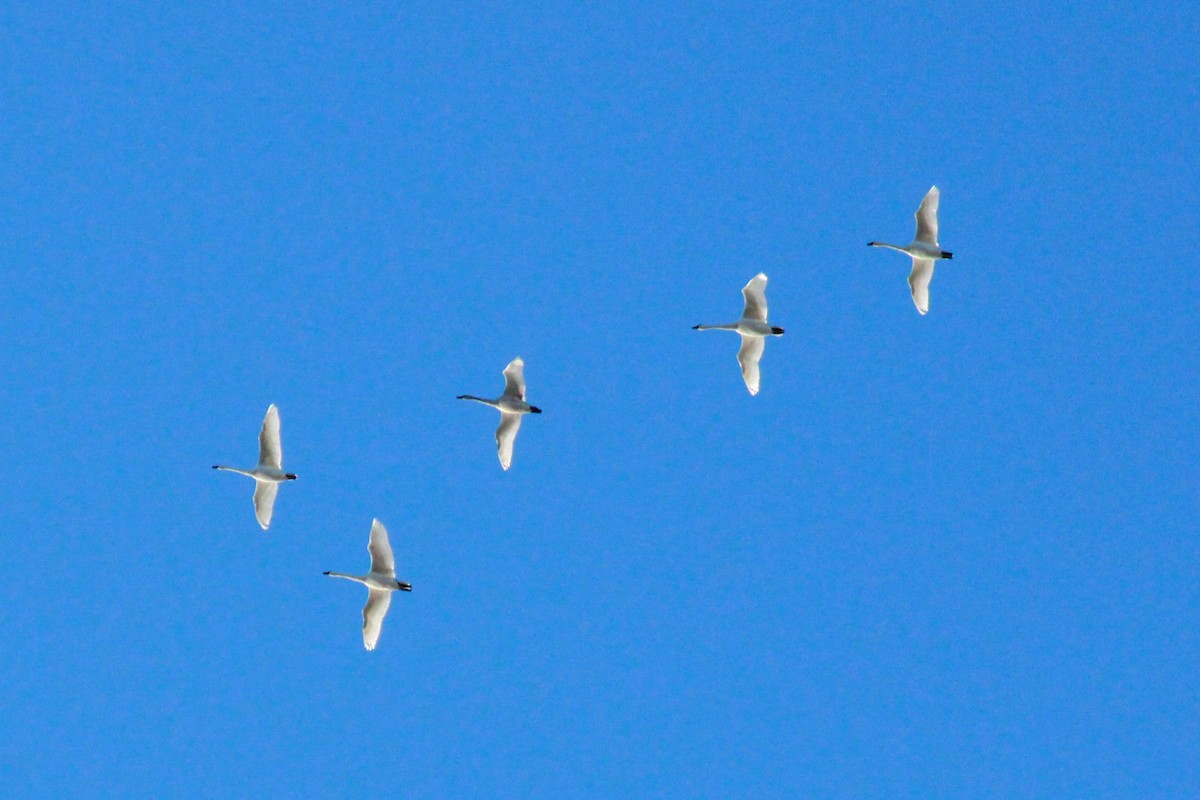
pixel 514 379
pixel 264 501
pixel 270 451
pixel 748 356
pixel 755 293
pixel 374 611
pixel 927 229
pixel 381 550
pixel 506 435
pixel 918 282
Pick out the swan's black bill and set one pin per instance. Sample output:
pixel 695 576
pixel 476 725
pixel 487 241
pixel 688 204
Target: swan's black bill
pixel 291 476
pixel 947 255
pixel 777 331
pixel 405 587
pixel 534 410
pixel 324 573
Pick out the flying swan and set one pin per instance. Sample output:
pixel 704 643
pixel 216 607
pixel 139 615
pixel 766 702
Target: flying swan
pixel 512 407
pixel 924 250
pixel 269 472
pixel 380 582
pixel 753 327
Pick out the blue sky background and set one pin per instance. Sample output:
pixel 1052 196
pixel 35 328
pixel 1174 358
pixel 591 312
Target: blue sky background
pixel 943 556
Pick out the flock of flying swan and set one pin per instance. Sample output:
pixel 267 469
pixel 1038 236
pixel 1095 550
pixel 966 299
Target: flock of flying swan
pixel 753 327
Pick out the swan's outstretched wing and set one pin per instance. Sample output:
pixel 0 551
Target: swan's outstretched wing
pixel 748 355
pixel 514 379
pixel 927 231
pixel 270 451
pixel 755 293
pixel 374 611
pixel 506 434
pixel 918 281
pixel 264 501
pixel 381 550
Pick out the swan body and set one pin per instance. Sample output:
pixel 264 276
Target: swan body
pixel 506 405
pixel 924 250
pixel 512 407
pixel 269 472
pixel 753 328
pixel 746 327
pixel 380 582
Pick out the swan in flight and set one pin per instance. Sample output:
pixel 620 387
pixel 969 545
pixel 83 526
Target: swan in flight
pixel 512 406
pixel 269 472
pixel 380 582
pixel 924 250
pixel 753 327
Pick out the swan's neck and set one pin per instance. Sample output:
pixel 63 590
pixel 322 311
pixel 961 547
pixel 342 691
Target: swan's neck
pixel 733 326
pixel 484 400
pixel 356 578
pixel 234 469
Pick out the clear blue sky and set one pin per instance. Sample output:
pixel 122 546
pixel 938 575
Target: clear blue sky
pixel 947 556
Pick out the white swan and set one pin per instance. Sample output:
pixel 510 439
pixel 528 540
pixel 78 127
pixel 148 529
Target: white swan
pixel 380 582
pixel 924 250
pixel 753 327
pixel 512 406
pixel 269 472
